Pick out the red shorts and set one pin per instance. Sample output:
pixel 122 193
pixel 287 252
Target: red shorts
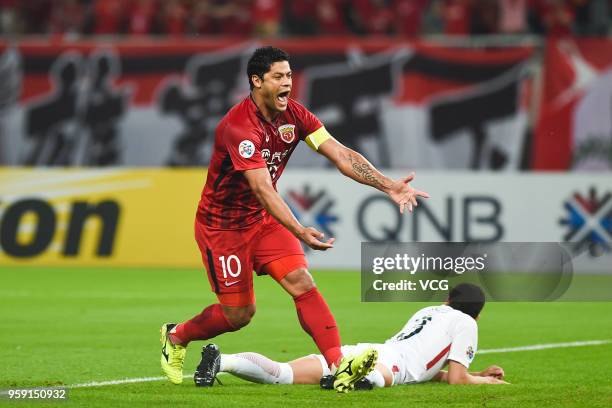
pixel 230 256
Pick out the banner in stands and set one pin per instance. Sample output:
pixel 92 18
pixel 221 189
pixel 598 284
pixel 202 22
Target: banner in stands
pixel 154 103
pixel 575 124
pixel 146 217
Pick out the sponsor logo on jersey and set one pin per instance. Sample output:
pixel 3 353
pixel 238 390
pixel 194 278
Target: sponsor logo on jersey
pixel 265 154
pixel 470 352
pixel 274 160
pixel 287 133
pixel 246 149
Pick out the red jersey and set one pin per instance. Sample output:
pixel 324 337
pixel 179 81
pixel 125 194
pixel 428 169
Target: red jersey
pixel 245 140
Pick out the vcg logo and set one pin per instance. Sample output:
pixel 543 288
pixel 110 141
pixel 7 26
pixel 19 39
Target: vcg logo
pixel 28 227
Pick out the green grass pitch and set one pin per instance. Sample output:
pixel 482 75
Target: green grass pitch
pixel 63 326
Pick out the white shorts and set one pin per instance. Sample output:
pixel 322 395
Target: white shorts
pixel 386 356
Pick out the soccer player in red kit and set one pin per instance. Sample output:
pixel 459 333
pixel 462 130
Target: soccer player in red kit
pixel 242 223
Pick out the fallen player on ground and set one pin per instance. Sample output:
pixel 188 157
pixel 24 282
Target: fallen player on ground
pixel 434 337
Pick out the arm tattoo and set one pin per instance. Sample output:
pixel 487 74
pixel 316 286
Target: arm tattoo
pixel 366 172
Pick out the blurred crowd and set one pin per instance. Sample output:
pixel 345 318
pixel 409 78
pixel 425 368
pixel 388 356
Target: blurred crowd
pixel 305 17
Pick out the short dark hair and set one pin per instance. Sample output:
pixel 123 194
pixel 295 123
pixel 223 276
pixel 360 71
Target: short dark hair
pixel 262 59
pixel 468 298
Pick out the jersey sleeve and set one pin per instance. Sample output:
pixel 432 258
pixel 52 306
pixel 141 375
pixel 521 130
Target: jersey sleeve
pixel 308 123
pixel 244 148
pixel 311 130
pixel 464 341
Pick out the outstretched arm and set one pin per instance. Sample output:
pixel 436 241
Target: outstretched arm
pixel 458 374
pixel 354 165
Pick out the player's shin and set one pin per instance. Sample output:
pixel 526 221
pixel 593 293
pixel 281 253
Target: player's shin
pixel 257 368
pixel 317 320
pixel 206 325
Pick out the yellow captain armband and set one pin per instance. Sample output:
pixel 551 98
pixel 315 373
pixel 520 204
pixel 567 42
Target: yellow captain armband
pixel 316 138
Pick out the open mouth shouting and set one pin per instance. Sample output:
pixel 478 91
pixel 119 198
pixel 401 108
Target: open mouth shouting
pixel 282 99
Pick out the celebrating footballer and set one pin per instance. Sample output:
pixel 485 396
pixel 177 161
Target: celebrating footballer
pixel 243 225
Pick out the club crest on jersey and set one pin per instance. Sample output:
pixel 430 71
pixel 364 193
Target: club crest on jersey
pixel 470 352
pixel 287 133
pixel 246 149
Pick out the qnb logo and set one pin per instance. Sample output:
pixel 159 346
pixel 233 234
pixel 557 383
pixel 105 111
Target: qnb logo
pixel 313 209
pixel 589 221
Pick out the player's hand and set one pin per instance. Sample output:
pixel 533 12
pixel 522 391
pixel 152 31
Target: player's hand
pixel 313 239
pixel 493 371
pixel 404 195
pixel 493 380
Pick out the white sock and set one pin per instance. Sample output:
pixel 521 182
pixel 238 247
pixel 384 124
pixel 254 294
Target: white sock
pixel 256 368
pixel 376 378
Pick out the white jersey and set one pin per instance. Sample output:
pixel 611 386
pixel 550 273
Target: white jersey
pixel 430 338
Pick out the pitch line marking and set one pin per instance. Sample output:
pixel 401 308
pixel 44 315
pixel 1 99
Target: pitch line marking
pixel 545 346
pixel 485 351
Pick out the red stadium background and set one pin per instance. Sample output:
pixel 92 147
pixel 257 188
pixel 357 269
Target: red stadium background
pixel 150 102
pixel 575 125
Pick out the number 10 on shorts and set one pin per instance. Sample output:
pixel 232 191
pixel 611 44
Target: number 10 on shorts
pixel 228 266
